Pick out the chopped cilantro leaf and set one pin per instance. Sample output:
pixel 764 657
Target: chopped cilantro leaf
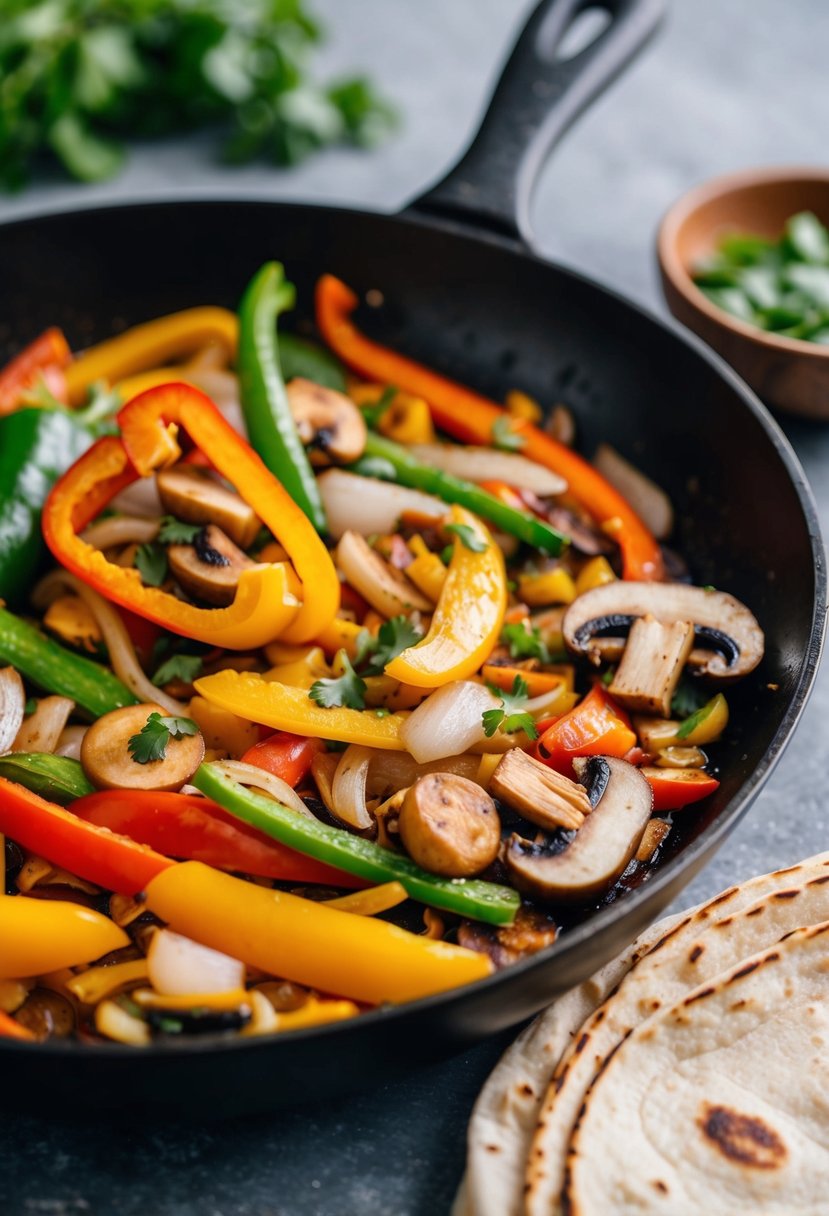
pixel 688 698
pixel 151 563
pixel 468 537
pixel 690 724
pixel 504 437
pixel 185 667
pixel 174 532
pixel 151 741
pixel 607 676
pixel 393 637
pixel 347 690
pixel 30 706
pixel 373 413
pixel 525 642
pixel 512 715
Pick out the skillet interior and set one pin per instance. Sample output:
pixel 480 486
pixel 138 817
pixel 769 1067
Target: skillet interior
pixel 494 317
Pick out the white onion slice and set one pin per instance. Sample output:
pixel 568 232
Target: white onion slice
pixel 178 966
pixel 448 722
pixel 12 706
pixel 41 731
pixel 141 498
pixel 488 464
pixel 268 783
pixel 121 530
pixel 367 506
pixel 348 789
pixel 69 743
pixel 649 501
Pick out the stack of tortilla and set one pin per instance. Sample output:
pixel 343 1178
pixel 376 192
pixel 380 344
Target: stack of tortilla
pixel 689 1076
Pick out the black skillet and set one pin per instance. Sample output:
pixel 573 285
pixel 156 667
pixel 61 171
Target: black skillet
pixel 464 293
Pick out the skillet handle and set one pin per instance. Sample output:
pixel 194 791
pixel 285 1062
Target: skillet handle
pixel 537 97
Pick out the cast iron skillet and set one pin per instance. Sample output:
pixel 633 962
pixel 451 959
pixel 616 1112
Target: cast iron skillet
pixel 462 292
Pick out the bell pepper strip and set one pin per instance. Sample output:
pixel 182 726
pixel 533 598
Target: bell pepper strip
pixel 36 446
pixel 263 604
pixel 55 778
pixel 284 708
pixel 50 352
pixel 10 1029
pixel 149 345
pixel 57 670
pixel 409 471
pixel 285 755
pixel 146 424
pixel 475 898
pixel 468 616
pixel 594 727
pixel 100 982
pixel 265 405
pixel 42 935
pixel 191 828
pixel 675 788
pixel 371 902
pixel 354 956
pixel 93 853
pixel 467 415
pixel 313 1013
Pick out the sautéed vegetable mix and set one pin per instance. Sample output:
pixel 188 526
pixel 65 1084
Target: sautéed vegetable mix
pixel 326 682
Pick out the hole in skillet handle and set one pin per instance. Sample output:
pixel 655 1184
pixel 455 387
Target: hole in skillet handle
pixel 585 28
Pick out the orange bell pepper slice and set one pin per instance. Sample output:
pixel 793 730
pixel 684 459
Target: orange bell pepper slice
pixel 148 428
pixel 594 727
pixel 10 1029
pixel 48 354
pixel 468 616
pixel 469 416
pixel 674 788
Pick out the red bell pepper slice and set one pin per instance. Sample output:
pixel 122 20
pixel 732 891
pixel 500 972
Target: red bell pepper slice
pixel 674 788
pixel 469 416
pixel 597 726
pixel 285 755
pixel 192 828
pixel 10 1029
pixel 109 861
pixel 48 354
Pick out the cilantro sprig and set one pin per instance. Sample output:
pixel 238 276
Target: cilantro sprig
pixel 347 690
pixel 525 642
pixel 689 697
pixel 184 667
pixel 151 563
pixel 512 715
pixel 175 532
pixel 375 652
pixel 151 741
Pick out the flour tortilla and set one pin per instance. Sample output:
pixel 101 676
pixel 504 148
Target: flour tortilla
pixel 717 1104
pixel 730 927
pixel 505 1115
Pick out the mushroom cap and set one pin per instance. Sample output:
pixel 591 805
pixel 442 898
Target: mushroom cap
pixel 728 641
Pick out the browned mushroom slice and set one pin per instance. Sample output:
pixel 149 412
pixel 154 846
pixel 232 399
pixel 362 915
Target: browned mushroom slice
pixel 728 642
pixel 531 931
pixel 449 825
pixel 600 849
pixel 538 793
pixel 651 665
pixel 197 498
pixel 108 763
pixel 327 420
pixel 210 568
pixel 655 834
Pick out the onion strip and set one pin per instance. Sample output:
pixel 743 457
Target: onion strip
pixel 268 783
pixel 42 729
pixel 12 706
pixel 121 530
pixel 348 789
pixel 122 656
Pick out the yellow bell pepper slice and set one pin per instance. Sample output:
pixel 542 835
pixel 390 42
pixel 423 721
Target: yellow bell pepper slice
pixel 39 935
pixel 303 940
pixel 339 635
pixel 99 982
pixel 468 616
pixel 371 901
pixel 548 587
pixel 594 573
pixel 285 708
pixel 151 344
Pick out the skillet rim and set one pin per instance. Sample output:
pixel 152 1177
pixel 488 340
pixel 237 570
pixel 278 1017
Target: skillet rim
pixel 695 853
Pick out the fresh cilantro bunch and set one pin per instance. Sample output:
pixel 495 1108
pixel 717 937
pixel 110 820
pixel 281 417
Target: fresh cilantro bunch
pixel 79 75
pixel 371 658
pixel 512 715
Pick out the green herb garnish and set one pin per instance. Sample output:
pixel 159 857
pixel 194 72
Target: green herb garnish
pixel 175 532
pixel 505 437
pixel 375 652
pixel 151 563
pixel 151 741
pixel 688 698
pixel 184 667
pixel 468 537
pixel 525 642
pixel 511 716
pixel 347 690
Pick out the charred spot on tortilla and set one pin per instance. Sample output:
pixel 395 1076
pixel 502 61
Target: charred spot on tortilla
pixel 695 953
pixel 742 1138
pixel 789 894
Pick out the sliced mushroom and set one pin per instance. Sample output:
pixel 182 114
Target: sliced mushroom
pixel 449 825
pixel 648 500
pixel 728 641
pixel 603 845
pixel 327 420
pixel 386 589
pixel 531 931
pixel 655 834
pixel 197 498
pixel 651 665
pixel 210 568
pixel 538 793
pixel 108 763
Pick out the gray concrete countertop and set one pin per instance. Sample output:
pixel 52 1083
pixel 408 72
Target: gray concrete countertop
pixel 725 85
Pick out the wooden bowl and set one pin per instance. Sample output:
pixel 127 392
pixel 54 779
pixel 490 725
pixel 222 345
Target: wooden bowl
pixel 787 373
